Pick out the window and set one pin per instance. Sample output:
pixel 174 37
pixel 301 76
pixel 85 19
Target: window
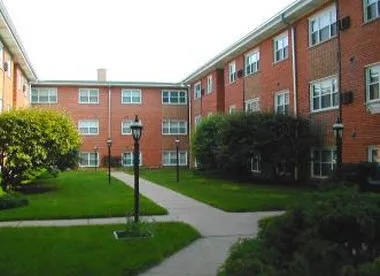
pixel 252 105
pixel 197 90
pixel 9 65
pixel 174 127
pixel 232 72
pixel 324 94
pixel 373 83
pixel 1 55
pixel 89 159
pixel 88 127
pixel 323 26
pixel 127 159
pixel 197 121
pixel 281 47
pixel 44 95
pixel 174 97
pixel 282 103
pixel 88 96
pixel 170 158
pixel 323 162
pixel 371 9
pixel 256 162
pixel 374 154
pixel 126 127
pixel 129 96
pixel 231 109
pixel 1 105
pixel 252 63
pixel 209 84
pixel 210 114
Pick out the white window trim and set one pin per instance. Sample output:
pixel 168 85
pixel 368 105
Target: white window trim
pixel 1 56
pixel 171 134
pixel 232 75
pixel 367 68
pixel 175 153
pixel 200 90
pixel 232 109
pixel 131 90
pixel 9 62
pixel 254 100
pixel 325 10
pixel 331 149
pixel 88 96
pixel 209 114
pixel 90 166
pixel 133 155
pixel 255 51
pixel 48 102
pixel 259 160
pixel 122 132
pixel 197 118
pixel 88 120
pixel 312 97
pixel 209 84
pixel 370 148
pixel 280 36
pixel 283 92
pixel 169 103
pixel 365 14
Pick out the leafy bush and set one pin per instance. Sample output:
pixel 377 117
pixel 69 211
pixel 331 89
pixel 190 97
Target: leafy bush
pixel 8 201
pixel 35 139
pixel 331 234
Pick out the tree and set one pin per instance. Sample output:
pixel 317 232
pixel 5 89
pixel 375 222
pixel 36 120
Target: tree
pixel 34 139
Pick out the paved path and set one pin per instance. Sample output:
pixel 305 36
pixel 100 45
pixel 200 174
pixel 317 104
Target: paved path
pixel 219 230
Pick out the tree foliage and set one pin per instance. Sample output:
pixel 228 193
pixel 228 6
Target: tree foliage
pixel 35 139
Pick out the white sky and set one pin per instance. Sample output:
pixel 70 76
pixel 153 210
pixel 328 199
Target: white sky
pixel 140 40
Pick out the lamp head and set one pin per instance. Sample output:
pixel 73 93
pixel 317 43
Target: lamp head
pixel 136 128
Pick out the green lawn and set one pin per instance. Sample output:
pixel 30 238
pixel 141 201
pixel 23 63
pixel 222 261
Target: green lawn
pixel 87 250
pixel 79 194
pixel 226 194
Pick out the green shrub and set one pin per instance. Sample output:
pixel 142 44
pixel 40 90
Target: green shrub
pixel 331 234
pixel 8 201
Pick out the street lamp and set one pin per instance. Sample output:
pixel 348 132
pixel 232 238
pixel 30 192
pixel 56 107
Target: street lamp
pixel 136 128
pixel 177 152
pixel 338 129
pixel 109 144
pixel 96 148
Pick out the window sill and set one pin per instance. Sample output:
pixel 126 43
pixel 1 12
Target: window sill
pixel 321 43
pixel 373 107
pixel 126 134
pixel 130 103
pixel 324 110
pixel 174 103
pixel 254 73
pixel 174 134
pixel 89 103
pixel 279 61
pixel 370 21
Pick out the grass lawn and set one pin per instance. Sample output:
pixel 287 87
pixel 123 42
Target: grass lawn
pixel 226 194
pixel 87 250
pixel 78 194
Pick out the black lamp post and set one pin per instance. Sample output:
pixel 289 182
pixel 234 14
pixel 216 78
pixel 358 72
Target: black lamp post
pixel 177 152
pixel 96 148
pixel 338 129
pixel 109 144
pixel 137 128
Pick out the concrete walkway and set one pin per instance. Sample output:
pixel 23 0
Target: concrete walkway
pixel 219 229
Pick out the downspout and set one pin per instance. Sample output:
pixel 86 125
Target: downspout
pixel 188 88
pixel 339 59
pixel 109 110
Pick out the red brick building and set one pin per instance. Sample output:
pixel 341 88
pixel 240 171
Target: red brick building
pixel 316 59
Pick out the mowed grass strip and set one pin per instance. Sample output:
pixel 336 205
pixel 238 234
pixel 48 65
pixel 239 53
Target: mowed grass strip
pixel 226 194
pixel 87 250
pixel 79 194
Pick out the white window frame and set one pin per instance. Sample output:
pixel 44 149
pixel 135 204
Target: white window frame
pixel 256 163
pixel 255 102
pixel 370 149
pixel 170 97
pixel 365 9
pixel 209 84
pixel 252 67
pixel 197 121
pixel 9 62
pixel 368 83
pixel 277 104
pixel 81 124
pixel 132 159
pixel 50 91
pixel 125 91
pixel 198 90
pixel 331 12
pixel 128 122
pixel 232 72
pixel 88 96
pixel 89 159
pixel 210 114
pixel 321 84
pixel 232 109
pixel 332 163
pixel 284 49
pixel 174 153
pixel 1 55
pixel 170 122
pixel 1 105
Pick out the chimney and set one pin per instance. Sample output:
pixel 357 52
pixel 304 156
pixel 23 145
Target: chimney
pixel 102 74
